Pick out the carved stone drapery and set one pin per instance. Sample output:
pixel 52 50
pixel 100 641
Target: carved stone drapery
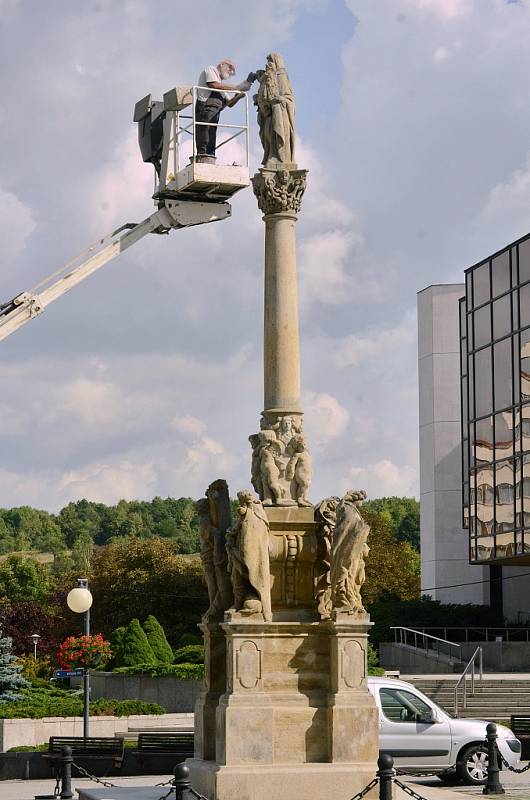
pixel 279 190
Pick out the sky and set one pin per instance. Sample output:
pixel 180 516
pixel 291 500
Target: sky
pixel 413 119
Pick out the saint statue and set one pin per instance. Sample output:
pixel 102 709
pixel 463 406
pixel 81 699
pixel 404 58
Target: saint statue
pixel 276 109
pixel 349 549
pixel 248 558
pixel 215 518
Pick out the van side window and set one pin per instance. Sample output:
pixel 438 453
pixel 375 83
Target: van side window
pixel 401 706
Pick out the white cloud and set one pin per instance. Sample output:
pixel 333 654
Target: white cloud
pixel 508 203
pixel 189 424
pixel 445 10
pixel 325 418
pixel 17 223
pixel 355 349
pixel 383 479
pixel 108 483
pixel 94 402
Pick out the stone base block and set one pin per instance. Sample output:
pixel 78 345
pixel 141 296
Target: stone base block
pixel 301 782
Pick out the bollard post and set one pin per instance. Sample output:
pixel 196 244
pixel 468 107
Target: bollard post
pixel 385 773
pixel 493 785
pixel 182 780
pixel 66 773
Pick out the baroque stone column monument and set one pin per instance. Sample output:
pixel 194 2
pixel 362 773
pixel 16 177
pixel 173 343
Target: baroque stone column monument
pixel 285 707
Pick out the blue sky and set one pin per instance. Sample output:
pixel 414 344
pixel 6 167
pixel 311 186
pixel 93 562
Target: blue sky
pixel 413 119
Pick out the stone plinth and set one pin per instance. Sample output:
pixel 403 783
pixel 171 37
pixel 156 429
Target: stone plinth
pixel 293 552
pixel 296 716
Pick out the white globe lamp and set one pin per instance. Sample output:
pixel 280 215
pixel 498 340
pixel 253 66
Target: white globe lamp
pixel 79 599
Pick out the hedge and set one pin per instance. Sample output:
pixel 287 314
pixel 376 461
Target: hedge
pixel 184 672
pixel 37 703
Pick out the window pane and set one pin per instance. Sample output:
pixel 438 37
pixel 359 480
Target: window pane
pixel 500 273
pixel 471 386
pixel 482 323
pixel 504 544
pixel 525 365
pixel 484 440
pixel 503 435
pixel 502 355
pixel 516 374
pixel 524 304
pixel 483 383
pixel 515 279
pixel 524 261
pixel 515 307
pixel 463 355
pixel 484 547
pixel 502 322
pixel 401 706
pixel 462 308
pixel 481 284
pixel 525 432
pixel 469 296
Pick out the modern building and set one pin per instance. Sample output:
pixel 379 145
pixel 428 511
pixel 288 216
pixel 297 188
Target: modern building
pixel 446 574
pixel 474 375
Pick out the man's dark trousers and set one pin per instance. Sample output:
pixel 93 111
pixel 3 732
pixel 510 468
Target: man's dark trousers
pixel 206 135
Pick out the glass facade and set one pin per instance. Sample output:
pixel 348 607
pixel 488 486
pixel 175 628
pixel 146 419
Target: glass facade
pixel 495 397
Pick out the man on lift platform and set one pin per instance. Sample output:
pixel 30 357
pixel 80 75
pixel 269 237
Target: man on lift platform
pixel 212 100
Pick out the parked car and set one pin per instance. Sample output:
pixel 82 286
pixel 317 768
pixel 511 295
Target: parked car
pixel 421 736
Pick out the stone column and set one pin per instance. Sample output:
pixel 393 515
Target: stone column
pixel 279 194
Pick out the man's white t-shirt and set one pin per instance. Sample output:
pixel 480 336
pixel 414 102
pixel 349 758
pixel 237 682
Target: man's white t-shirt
pixel 209 75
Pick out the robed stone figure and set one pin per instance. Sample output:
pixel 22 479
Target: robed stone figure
pixel 276 113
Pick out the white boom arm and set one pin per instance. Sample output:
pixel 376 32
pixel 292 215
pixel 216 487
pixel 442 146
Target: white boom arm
pixel 174 214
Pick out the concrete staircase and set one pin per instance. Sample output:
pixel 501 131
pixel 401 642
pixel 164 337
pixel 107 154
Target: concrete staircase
pixel 495 698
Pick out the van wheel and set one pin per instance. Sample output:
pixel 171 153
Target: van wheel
pixel 472 765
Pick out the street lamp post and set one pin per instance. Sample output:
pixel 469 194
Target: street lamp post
pixel 35 639
pixel 79 600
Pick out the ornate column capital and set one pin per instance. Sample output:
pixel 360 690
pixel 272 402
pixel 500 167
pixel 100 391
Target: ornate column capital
pixel 279 190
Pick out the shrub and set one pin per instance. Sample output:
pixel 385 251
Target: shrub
pixel 116 645
pixel 157 639
pixel 182 671
pixel 373 662
pixel 36 669
pixel 135 647
pixel 11 680
pixel 124 708
pixel 191 654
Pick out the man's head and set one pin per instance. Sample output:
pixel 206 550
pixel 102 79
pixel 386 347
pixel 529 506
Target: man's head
pixel 226 68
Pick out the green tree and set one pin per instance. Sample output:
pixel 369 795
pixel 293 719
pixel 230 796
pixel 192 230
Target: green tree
pixel 391 567
pixel 137 577
pixel 11 678
pixel 82 553
pixel 157 639
pixel 403 516
pixel 23 579
pixel 135 647
pixel 116 645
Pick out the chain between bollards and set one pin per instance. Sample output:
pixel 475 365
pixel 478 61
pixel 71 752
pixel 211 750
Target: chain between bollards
pixel 493 785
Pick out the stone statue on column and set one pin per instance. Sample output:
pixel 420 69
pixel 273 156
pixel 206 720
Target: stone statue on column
pixel 248 558
pixel 276 113
pixel 348 552
pixel 215 518
pixel 325 517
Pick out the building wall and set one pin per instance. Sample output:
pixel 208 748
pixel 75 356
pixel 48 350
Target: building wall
pixel 444 543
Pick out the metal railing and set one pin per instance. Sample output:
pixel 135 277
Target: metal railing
pixel 462 681
pixel 480 634
pixel 425 641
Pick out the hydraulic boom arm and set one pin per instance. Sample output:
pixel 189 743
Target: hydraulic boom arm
pixel 173 214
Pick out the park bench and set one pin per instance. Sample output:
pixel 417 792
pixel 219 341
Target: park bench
pixel 159 743
pixel 520 725
pixel 87 748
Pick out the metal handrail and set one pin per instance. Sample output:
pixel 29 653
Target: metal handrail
pixel 403 639
pixel 489 633
pixel 462 680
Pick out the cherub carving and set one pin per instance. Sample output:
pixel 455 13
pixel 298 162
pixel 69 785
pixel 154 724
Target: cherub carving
pixel 299 470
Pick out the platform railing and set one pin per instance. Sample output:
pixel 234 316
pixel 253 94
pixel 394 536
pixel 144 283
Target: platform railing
pixel 469 669
pixel 420 640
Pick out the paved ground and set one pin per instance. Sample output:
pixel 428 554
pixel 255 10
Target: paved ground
pixel 517 788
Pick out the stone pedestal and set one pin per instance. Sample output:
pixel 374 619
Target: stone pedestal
pixel 296 716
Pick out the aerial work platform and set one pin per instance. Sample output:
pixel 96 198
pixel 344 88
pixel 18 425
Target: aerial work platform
pixel 167 138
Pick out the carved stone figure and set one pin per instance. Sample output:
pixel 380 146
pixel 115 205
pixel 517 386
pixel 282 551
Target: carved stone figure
pixel 256 464
pixel 349 549
pixel 214 520
pixel 299 470
pixel 325 516
pixel 271 468
pixel 248 551
pixel 276 113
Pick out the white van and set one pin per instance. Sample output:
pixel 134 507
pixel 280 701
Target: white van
pixel 420 736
